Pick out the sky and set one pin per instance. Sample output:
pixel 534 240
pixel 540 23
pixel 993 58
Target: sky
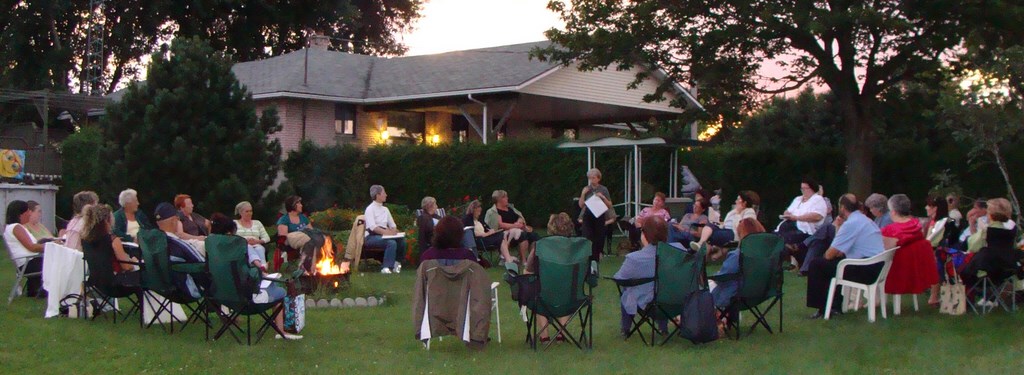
pixel 452 25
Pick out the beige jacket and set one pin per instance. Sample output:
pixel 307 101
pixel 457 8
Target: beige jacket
pixel 452 300
pixel 354 247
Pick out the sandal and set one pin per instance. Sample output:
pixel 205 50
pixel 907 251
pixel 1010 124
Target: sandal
pixel 560 338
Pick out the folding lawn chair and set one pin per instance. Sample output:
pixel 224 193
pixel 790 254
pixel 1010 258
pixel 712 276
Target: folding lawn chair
pixel 156 279
pixel 234 282
pixel 677 274
pixel 105 287
pixel 566 283
pixel 760 280
pixel 996 267
pixel 20 275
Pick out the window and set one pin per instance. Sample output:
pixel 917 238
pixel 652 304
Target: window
pixel 345 119
pixel 407 126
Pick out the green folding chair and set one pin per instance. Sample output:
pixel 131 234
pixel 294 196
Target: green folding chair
pixel 106 288
pixel 566 279
pixel 677 274
pixel 156 280
pixel 760 280
pixel 233 282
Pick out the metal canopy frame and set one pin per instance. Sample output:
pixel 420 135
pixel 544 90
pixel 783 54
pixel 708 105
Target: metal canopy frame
pixel 634 163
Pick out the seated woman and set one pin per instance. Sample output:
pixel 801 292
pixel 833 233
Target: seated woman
pixel 724 291
pixel 490 237
pixel 192 226
pixel 690 225
pixel 447 242
pixel 79 203
pixel 804 215
pixel 878 206
pixel 559 224
pixel 21 244
pixel 638 265
pixel 911 269
pixel 941 230
pixel 292 221
pixel 426 221
pixel 503 215
pixel 34 225
pixel 721 235
pixel 657 208
pixel 993 247
pixel 998 214
pixel 223 225
pixel 128 220
pixel 98 233
pixel 254 233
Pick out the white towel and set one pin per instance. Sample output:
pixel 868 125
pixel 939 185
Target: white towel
pixel 63 273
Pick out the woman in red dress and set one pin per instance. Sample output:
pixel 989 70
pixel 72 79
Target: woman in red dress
pixel 913 266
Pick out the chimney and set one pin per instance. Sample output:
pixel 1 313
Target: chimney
pixel 319 41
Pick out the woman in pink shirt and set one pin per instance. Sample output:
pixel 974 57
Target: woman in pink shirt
pixel 657 208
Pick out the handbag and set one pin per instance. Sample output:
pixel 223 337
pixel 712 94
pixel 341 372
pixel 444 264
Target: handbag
pixel 953 296
pixel 295 313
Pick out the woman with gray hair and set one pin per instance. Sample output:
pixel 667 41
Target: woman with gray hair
pixel 128 220
pixel 79 203
pixel 255 234
pixel 426 219
pixel 913 268
pixel 380 223
pixel 594 227
pixel 878 205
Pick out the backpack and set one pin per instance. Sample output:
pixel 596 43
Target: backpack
pixel 699 324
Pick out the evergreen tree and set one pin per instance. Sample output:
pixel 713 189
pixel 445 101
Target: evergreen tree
pixel 191 128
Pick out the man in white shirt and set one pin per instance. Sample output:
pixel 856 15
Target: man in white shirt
pixel 380 223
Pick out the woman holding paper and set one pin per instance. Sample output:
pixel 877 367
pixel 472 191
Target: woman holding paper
pixel 594 226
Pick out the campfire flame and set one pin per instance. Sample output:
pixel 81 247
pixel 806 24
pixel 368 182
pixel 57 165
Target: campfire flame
pixel 325 259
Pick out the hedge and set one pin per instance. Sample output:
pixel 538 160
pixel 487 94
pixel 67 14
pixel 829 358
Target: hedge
pixel 542 179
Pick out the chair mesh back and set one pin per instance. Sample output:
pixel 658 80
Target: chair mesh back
pixel 156 275
pixel 231 282
pixel 101 266
pixel 761 266
pixel 677 275
pixel 563 266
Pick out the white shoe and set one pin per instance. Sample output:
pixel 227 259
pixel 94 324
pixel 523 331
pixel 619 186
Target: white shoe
pixel 386 271
pixel 695 246
pixel 398 267
pixel 288 336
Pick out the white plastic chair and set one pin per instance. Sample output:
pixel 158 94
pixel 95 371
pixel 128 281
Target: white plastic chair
pixel 494 307
pixel 873 291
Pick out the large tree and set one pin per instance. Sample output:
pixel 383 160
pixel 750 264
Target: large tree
pixel 858 49
pixel 43 43
pixel 190 128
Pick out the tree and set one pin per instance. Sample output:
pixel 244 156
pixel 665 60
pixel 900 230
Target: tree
pixel 43 43
pixel 858 49
pixel 809 119
pixel 985 109
pixel 190 128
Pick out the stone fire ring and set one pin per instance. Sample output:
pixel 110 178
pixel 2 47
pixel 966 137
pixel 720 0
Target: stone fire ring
pixel 370 301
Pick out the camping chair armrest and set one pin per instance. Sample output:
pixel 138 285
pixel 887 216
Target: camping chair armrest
pixel 190 268
pixel 630 282
pixel 725 277
pixel 28 257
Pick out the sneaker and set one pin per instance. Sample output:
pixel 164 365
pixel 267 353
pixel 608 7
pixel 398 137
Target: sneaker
pixel 694 246
pixel 398 267
pixel 288 336
pixel 386 271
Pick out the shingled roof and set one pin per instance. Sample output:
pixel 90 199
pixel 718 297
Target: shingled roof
pixel 362 78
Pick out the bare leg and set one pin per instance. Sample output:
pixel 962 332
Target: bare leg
pixel 705 233
pixel 524 250
pixel 933 298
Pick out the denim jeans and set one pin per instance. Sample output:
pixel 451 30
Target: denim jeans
pixel 394 248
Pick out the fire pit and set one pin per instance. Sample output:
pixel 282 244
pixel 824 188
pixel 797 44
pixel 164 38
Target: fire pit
pixel 324 273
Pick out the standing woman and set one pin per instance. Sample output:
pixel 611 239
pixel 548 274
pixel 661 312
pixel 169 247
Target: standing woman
pixel 594 227
pixel 128 220
pixel 20 244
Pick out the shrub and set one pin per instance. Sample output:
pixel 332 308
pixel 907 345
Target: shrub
pixel 335 219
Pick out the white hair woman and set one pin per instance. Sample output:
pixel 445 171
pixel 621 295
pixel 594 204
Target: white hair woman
pixel 128 220
pixel 594 227
pixel 254 233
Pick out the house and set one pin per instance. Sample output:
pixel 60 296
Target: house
pixel 474 95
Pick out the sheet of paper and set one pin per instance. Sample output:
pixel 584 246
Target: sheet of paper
pixel 397 235
pixel 596 206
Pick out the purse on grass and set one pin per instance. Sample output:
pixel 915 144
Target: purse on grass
pixel 953 296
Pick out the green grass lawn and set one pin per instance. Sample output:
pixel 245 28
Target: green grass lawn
pixel 380 340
